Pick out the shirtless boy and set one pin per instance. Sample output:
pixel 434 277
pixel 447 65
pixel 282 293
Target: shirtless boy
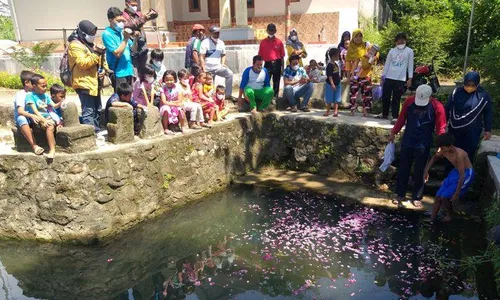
pixel 459 179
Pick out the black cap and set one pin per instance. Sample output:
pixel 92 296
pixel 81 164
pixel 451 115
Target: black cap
pixel 271 26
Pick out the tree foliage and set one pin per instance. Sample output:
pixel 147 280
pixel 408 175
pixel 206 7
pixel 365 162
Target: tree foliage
pixel 34 57
pixel 7 29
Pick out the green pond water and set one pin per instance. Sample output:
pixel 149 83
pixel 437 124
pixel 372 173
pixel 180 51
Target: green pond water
pixel 255 243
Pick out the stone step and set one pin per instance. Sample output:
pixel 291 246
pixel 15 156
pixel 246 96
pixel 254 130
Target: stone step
pixel 6 135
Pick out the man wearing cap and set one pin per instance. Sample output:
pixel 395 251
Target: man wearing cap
pixel 213 59
pixel 193 46
pixel 422 115
pixel 271 49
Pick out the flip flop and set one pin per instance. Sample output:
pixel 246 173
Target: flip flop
pixel 50 155
pixel 38 150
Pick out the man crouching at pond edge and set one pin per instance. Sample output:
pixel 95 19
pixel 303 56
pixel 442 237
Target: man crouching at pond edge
pixel 459 179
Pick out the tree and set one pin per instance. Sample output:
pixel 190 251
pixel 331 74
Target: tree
pixel 7 29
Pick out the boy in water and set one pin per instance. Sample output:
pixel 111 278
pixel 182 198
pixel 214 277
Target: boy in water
pixel 459 179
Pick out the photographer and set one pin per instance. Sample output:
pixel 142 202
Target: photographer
pixel 135 20
pixel 85 59
pixel 119 46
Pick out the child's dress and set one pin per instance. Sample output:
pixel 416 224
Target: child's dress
pixel 206 105
pixel 195 110
pixel 171 94
pixel 138 95
pixel 208 90
pixel 221 104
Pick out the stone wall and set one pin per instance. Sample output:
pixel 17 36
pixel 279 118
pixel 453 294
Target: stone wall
pixel 97 194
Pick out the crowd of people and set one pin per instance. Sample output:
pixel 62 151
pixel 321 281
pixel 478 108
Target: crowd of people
pixel 188 98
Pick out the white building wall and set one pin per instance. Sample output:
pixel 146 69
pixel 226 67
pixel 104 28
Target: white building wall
pixel 192 16
pixel 58 14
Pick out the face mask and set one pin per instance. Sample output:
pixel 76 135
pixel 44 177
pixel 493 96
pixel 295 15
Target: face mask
pixel 220 96
pixel 295 68
pixel 90 38
pixel 134 8
pixel 119 26
pixel 293 38
pixel 185 81
pixel 271 36
pixel 470 89
pixel 157 63
pixel 215 40
pixel 401 47
pixel 150 79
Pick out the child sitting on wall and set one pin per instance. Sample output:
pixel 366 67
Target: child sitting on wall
pixel 314 72
pixel 171 107
pixel 196 119
pixel 123 98
pixel 219 99
pixel 207 103
pixel 208 86
pixel 39 104
pixel 144 87
pixel 58 96
pixel 22 117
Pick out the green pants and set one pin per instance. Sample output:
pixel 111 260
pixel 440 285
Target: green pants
pixel 263 97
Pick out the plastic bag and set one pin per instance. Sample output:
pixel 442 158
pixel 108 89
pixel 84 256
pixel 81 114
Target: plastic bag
pixel 389 155
pixel 377 93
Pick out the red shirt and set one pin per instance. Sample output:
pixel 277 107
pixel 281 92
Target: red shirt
pixel 439 114
pixel 271 49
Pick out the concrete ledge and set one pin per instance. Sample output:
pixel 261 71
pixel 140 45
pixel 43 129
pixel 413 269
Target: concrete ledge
pixel 494 171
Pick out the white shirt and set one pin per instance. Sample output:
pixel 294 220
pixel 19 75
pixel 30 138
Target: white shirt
pixel 256 80
pixel 398 64
pixel 19 101
pixel 213 53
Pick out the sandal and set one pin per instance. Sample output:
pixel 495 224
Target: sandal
pixel 196 127
pixel 381 117
pixel 416 203
pixel 38 150
pixel 206 125
pixel 398 201
pixel 335 115
pixel 326 114
pixel 293 109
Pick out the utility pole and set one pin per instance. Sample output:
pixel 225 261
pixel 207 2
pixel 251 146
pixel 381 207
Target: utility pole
pixel 288 17
pixel 468 35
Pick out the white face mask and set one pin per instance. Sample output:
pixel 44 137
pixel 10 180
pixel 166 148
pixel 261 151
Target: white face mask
pixel 271 36
pixel 90 38
pixel 293 38
pixel 150 79
pixel 157 63
pixel 134 8
pixel 220 96
pixel 185 81
pixel 295 68
pixel 215 40
pixel 401 47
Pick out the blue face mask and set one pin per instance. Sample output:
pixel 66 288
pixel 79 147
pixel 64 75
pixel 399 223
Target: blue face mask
pixel 119 26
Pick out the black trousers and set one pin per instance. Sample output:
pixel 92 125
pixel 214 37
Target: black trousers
pixel 274 69
pixel 417 157
pixel 394 88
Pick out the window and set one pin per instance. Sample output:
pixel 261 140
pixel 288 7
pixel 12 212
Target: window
pixel 294 0
pixel 194 6
pixel 250 3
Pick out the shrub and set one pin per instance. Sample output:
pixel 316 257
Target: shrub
pixel 11 81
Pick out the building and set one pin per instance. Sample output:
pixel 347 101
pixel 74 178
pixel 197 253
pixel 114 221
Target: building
pixel 241 19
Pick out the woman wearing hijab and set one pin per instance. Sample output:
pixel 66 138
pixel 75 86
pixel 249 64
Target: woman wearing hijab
pixel 295 47
pixel 469 110
pixel 86 60
pixel 357 49
pixel 346 36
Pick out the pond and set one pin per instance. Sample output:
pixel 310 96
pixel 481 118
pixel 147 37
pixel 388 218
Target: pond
pixel 257 243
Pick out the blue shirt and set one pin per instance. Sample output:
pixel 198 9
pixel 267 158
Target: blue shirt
pixel 20 101
pixel 42 102
pixel 112 40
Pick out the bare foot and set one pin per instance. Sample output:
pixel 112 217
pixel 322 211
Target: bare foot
pixel 254 111
pixel 416 203
pixel 168 132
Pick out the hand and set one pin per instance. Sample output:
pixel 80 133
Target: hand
pixel 426 177
pixel 101 74
pixel 454 200
pixel 99 49
pixel 303 80
pixel 37 119
pixel 392 136
pixel 408 83
pixel 137 34
pixel 487 136
pixel 127 32
pixel 334 87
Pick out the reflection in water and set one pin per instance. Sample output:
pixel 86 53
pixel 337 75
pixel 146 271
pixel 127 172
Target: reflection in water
pixel 249 243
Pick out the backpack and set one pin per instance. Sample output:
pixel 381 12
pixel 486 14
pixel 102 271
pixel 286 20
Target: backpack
pixel 65 72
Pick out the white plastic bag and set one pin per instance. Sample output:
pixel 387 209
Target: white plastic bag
pixel 389 155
